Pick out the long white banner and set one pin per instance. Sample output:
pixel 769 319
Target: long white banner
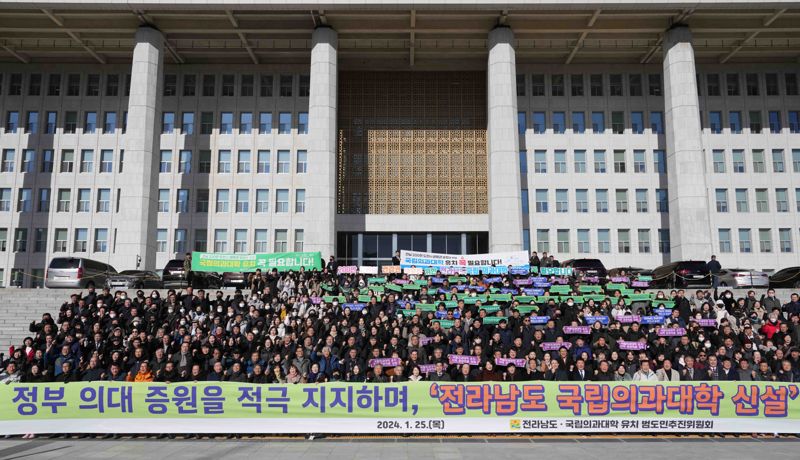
pixel 467 261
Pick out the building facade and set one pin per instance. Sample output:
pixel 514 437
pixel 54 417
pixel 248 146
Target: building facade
pixel 133 136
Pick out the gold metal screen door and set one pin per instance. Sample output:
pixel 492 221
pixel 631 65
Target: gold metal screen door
pixel 412 143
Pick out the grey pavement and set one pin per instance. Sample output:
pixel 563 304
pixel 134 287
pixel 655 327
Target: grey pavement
pixel 471 448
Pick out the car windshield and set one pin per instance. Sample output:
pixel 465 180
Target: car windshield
pixel 63 263
pixel 129 272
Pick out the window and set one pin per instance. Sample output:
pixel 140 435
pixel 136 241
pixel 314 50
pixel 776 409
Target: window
pixel 543 240
pixel 52 123
pixel 560 162
pixel 245 122
pixel 262 201
pixel 582 200
pixel 541 200
pixel 167 122
pixel 540 161
pixel 732 84
pixel 522 123
pixel 796 160
pixel 719 161
pixel 615 85
pixel 785 239
pixel 240 240
pixel 265 122
pixel 619 161
pixel 742 204
pixel 584 245
pixel 81 240
pixel 109 122
pixel 598 122
pixel 209 84
pixel 54 84
pixel 35 84
pixel 204 162
pixel 657 122
pixel 163 200
pixel 180 241
pixel 580 161
pixel 559 122
pixel 281 241
pixel 7 164
pixel 765 240
pixel 772 84
pixel 596 84
pixel 242 201
pixel 520 84
pixel 87 161
pixel 165 162
pixel 190 85
pixel 286 82
pixel 755 121
pixel 663 241
pixel 618 122
pixel 90 125
pixel 715 122
pixel 778 164
pixel 224 162
pixel 637 122
pixel 281 201
pixel 262 165
pixel 721 198
pixel 562 238
pixel 643 238
pixel 782 200
pixel 32 123
pixel 751 81
pixel 624 241
pixel 284 123
pixel 660 161
pixel 200 239
pixel 28 161
pixel 775 125
pixel 246 85
pixel 300 201
pixel 12 122
pixel 265 85
pixel 47 161
pixel 226 123
pixel 223 198
pixel 112 85
pixel 662 200
pixel 654 84
pixel 206 122
pixel 302 162
pixel 557 85
pixel 790 80
pixel 600 161
pixel 639 162
pixel 44 200
pixel 187 123
pixel 578 122
pixel 738 161
pixel 621 200
pixel 84 200
pixel 603 240
pixel 5 199
pixel 73 85
pixel 261 241
pixel 170 85
pixel 601 199
pixel 243 165
pixel 202 200
pixel 758 161
pixel 537 85
pixel 67 161
pixel 40 240
pixel 735 122
pixel 562 201
pixel 25 200
pixel 762 200
pixel 576 84
pixel 284 162
pixel 539 126
pixel 182 200
pixel 725 244
pixel 304 86
pixel 185 161
pixel 60 240
pixel 302 123
pixel 161 240
pixel 641 200
pixel 104 200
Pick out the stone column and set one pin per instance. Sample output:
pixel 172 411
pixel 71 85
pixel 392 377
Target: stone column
pixel 321 191
pixel 505 202
pixel 689 222
pixel 136 224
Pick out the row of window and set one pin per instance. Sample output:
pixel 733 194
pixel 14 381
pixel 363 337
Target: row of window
pixel 759 161
pixel 765 240
pixel 755 121
pixel 61 243
pixel 742 199
pixel 558 122
pixel 70 124
pixel 581 199
pixel 559 163
pixel 603 244
pixel 210 85
pixel 600 85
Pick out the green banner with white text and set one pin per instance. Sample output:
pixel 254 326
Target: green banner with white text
pixel 282 261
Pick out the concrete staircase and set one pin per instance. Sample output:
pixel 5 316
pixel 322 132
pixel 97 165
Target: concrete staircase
pixel 18 307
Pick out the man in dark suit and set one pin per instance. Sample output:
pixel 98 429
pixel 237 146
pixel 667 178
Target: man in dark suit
pixel 728 373
pixel 688 372
pixel 580 374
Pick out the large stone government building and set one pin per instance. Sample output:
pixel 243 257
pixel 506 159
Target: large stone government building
pixel 636 132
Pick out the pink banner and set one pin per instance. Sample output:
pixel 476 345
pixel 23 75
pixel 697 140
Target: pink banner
pixel 385 362
pixel 550 346
pixel 464 359
pixel 623 345
pixel 519 362
pixel 580 330
pixel 348 269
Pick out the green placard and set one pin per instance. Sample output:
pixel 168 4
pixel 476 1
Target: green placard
pixel 394 287
pixel 590 289
pixel 525 309
pixel 640 297
pixel 560 289
pixel 408 313
pixel 490 308
pixel 525 298
pixel 425 307
pixel 666 303
pixel 364 298
pixel 410 287
pixel 448 303
pixel 238 263
pixel 611 287
pixel 421 282
pixel 595 297
pixel 491 320
pixel 500 297
pixel 376 289
pixel 456 279
pixel 331 298
pixel 376 280
pixel 445 323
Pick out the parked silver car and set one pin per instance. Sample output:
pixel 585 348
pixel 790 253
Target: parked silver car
pixel 743 277
pixel 77 272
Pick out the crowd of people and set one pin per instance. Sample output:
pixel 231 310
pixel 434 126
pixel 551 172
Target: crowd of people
pixel 309 327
